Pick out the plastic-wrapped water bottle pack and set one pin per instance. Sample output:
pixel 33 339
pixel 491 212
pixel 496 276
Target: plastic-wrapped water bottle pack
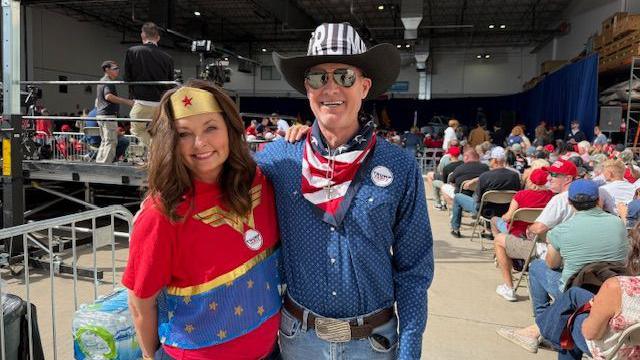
pixel 104 330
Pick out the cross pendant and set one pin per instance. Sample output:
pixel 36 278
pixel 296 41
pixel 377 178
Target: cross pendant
pixel 328 189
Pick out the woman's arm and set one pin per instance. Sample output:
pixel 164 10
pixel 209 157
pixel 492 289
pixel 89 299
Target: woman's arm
pixel 512 208
pixel 145 319
pixel 605 305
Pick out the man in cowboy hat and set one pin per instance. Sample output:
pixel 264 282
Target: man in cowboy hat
pixel 352 213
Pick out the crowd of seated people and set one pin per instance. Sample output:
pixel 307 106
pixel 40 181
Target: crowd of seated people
pixel 65 138
pixel 587 195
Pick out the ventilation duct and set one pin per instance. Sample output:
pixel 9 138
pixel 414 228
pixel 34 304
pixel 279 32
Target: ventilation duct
pixel 411 16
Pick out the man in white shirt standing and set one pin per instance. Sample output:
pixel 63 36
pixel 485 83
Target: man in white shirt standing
pixel 450 133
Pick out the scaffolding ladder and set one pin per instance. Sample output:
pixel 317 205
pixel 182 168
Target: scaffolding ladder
pixel 632 118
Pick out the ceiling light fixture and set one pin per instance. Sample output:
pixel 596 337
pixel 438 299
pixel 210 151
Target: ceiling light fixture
pixel 380 7
pixel 196 13
pixel 491 26
pixel 398 46
pixel 264 50
pixel 407 46
pixel 503 26
pixel 486 56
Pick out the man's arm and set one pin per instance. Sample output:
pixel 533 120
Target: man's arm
pixel 109 95
pixel 114 99
pixel 413 265
pixel 537 228
pixel 553 258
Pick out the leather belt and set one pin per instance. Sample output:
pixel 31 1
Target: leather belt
pixel 335 330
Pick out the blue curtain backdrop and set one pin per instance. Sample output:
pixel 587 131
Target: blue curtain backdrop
pixel 567 94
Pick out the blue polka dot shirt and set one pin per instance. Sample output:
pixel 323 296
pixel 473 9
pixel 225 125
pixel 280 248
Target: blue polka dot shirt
pixel 381 253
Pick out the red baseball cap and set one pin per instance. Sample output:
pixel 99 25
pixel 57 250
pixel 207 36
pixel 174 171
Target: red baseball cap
pixel 66 128
pixel 549 148
pixel 564 167
pixel 539 176
pixel 454 151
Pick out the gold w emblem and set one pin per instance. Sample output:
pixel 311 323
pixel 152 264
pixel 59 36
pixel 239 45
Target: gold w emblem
pixel 216 216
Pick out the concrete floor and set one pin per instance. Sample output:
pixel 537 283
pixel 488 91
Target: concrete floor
pixel 464 309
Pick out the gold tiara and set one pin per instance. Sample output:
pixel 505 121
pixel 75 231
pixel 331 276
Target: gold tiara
pixel 188 101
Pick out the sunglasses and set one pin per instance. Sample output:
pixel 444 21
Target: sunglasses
pixel 555 175
pixel 115 68
pixel 342 77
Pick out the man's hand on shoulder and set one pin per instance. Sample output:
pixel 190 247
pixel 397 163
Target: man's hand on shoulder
pixel 296 132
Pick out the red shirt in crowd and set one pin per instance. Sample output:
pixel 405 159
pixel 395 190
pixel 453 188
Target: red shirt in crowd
pixel 628 176
pixel 44 126
pixel 430 143
pixel 250 130
pixel 190 253
pixel 536 199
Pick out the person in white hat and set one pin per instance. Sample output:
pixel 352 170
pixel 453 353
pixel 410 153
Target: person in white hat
pixel 355 232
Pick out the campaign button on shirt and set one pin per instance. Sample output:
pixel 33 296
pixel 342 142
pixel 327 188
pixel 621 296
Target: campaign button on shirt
pixel 381 176
pixel 253 239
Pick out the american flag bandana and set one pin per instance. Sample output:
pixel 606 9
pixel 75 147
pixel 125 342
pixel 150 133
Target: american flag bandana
pixel 330 178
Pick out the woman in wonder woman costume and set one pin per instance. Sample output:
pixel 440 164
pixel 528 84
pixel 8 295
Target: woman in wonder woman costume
pixel 202 272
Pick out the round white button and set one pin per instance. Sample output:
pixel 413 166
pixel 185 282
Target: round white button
pixel 334 293
pixel 333 229
pixel 333 261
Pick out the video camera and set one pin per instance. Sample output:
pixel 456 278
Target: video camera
pixel 217 68
pixel 216 73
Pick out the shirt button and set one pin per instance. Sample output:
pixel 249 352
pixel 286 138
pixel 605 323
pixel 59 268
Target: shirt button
pixel 333 229
pixel 333 261
pixel 370 199
pixel 334 293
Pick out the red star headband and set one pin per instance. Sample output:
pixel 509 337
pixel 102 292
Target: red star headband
pixel 188 101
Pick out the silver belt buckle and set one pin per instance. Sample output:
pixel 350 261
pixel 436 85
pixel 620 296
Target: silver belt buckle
pixel 333 330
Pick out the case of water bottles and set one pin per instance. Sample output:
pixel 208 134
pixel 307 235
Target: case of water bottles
pixel 104 330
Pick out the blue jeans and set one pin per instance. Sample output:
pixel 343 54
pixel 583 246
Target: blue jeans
pixel 556 316
pixel 543 282
pixel 121 147
pixel 298 342
pixel 461 202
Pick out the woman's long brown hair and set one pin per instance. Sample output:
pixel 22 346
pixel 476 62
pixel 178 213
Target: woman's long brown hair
pixel 170 179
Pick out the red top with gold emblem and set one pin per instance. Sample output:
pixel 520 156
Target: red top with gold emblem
pixel 209 243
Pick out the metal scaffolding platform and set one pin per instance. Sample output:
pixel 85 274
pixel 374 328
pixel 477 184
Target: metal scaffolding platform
pixel 116 174
pixel 633 110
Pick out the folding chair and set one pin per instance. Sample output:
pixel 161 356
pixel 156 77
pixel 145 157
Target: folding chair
pixel 430 158
pixel 630 336
pixel 528 215
pixel 494 197
pixel 473 185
